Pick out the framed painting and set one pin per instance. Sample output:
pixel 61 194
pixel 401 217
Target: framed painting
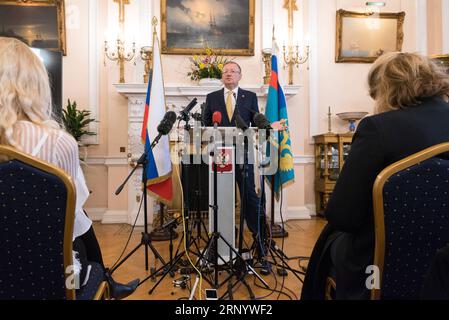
pixel 363 37
pixel 227 27
pixel 39 24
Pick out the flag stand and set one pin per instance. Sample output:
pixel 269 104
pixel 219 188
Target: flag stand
pixel 162 234
pixel 277 230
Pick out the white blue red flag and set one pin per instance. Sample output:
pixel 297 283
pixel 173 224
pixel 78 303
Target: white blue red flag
pixel 159 170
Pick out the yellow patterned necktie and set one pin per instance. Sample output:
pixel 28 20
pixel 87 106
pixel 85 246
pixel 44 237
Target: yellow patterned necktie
pixel 229 105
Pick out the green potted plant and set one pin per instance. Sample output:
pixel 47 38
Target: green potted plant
pixel 76 122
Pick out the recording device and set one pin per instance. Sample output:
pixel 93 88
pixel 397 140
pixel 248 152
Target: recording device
pixel 181 282
pixel 262 122
pixel 211 294
pixel 184 114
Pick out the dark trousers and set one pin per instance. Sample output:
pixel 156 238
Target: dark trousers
pixel 253 207
pixel 88 251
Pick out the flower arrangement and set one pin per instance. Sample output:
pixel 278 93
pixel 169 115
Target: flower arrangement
pixel 207 65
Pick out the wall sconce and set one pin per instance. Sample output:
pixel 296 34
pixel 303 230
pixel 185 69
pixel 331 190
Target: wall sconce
pixel 146 54
pixel 120 56
pixel 266 59
pixel 293 58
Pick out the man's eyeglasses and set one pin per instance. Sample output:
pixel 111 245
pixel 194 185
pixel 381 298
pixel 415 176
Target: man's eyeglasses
pixel 231 72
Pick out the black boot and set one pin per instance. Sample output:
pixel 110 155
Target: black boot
pixel 120 291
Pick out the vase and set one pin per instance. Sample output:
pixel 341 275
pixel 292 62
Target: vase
pixel 209 82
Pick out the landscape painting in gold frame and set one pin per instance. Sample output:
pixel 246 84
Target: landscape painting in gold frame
pixel 39 24
pixel 363 37
pixel 226 27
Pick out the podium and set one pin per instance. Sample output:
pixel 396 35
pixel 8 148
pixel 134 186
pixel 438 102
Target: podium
pixel 229 152
pixel 225 159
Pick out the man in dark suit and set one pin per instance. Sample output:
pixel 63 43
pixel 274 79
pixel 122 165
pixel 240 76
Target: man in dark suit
pixel 231 101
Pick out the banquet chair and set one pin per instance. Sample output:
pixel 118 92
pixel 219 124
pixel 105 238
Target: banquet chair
pixel 37 209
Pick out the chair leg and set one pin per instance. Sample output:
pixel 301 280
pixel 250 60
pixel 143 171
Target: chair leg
pixel 331 287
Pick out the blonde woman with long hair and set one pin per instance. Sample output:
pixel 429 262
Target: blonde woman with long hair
pixel 411 113
pixel 26 123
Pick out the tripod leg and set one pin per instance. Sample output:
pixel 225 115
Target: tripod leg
pixel 126 258
pixel 169 270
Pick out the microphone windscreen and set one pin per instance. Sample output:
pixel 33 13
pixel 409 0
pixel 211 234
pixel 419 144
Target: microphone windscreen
pixel 241 124
pixel 171 116
pixel 261 121
pixel 216 117
pixel 167 123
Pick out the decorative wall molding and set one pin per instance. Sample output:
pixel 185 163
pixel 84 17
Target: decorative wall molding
pixel 115 217
pixel 421 27
pixel 96 214
pixel 445 27
pixel 307 159
pixel 94 72
pixel 313 65
pixel 106 161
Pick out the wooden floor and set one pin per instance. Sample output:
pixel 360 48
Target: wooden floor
pixel 112 238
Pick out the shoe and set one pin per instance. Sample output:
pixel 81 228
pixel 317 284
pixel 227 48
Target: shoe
pixel 120 291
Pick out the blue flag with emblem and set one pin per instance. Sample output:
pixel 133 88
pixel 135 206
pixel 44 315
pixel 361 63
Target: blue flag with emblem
pixel 276 110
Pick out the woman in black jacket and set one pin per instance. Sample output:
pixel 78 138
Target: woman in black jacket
pixel 412 113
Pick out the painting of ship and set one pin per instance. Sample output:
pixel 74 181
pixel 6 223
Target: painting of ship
pixel 214 30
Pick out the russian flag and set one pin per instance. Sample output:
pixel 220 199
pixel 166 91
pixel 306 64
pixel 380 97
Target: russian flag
pixel 158 178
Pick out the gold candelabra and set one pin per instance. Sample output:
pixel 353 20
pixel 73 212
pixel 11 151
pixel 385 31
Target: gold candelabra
pixel 120 55
pixel 293 58
pixel 266 59
pixel 146 54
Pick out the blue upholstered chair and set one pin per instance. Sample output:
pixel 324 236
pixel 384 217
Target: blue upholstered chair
pixel 411 209
pixel 37 205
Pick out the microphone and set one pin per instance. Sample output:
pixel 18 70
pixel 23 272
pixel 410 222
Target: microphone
pixel 262 122
pixel 165 126
pixel 184 114
pixel 241 124
pixel 216 119
pixel 167 123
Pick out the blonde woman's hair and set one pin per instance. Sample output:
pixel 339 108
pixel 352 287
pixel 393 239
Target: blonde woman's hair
pixel 401 80
pixel 24 89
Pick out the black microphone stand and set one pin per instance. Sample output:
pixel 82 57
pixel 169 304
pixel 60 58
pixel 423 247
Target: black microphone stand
pixel 146 238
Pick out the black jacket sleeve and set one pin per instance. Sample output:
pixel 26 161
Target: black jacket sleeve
pixel 351 204
pixel 208 112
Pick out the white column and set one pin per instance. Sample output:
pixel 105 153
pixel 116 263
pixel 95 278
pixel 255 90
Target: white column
pixel 421 27
pixel 267 24
pixel 445 31
pixel 313 65
pixel 94 65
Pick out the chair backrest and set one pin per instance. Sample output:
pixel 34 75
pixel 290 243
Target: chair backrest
pixel 37 205
pixel 411 212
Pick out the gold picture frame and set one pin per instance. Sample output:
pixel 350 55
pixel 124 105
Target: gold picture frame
pixel 38 23
pixel 227 27
pixel 363 37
